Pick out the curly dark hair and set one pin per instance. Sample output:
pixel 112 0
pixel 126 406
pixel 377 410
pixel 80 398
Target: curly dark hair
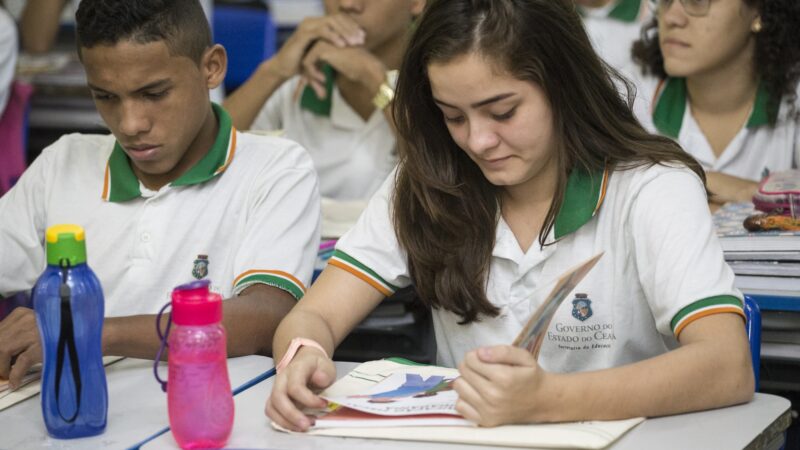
pixel 777 49
pixel 181 24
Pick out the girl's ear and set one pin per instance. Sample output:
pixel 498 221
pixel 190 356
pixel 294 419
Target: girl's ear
pixel 214 65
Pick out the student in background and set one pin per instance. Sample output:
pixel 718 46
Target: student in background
pixel 8 56
pixel 724 83
pixel 41 19
pixel 613 26
pixel 521 159
pixel 175 193
pixel 328 88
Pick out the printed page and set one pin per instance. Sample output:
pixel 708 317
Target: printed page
pixel 370 377
pixel 532 334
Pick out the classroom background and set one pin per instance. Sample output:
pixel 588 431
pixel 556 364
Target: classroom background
pixel 52 100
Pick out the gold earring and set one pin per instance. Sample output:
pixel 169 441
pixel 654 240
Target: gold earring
pixel 756 27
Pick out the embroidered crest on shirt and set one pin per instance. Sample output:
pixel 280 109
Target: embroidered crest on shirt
pixel 200 269
pixel 581 307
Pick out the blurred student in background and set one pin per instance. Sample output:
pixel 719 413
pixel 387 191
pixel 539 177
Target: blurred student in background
pixel 328 88
pixel 8 55
pixel 613 26
pixel 724 83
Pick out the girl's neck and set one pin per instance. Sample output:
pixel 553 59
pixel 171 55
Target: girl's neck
pixel 724 89
pixel 525 206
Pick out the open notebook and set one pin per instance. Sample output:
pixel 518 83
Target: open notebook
pixel 31 385
pixel 444 425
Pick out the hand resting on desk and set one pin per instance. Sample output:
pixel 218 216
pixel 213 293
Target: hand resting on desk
pixel 292 391
pixel 20 347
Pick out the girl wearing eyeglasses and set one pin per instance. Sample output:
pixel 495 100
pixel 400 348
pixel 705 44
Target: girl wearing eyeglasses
pixel 519 159
pixel 725 84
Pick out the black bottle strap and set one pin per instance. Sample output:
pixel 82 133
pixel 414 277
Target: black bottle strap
pixel 66 343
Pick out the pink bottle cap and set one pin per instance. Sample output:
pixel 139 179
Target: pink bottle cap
pixel 193 304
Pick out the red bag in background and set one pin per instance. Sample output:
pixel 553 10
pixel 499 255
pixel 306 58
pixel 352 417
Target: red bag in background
pixel 779 193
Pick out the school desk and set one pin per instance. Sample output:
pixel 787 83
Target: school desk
pixel 136 408
pixel 757 425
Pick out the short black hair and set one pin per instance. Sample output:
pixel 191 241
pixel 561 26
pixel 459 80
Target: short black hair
pixel 181 24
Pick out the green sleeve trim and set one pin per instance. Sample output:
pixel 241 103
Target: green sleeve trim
pixel 269 280
pixel 709 303
pixel 338 254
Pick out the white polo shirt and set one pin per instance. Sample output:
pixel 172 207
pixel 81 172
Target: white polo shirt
pixel 614 28
pixel 352 156
pixel 768 142
pixel 8 56
pixel 662 268
pixel 248 212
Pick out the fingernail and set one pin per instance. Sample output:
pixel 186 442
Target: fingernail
pixel 485 352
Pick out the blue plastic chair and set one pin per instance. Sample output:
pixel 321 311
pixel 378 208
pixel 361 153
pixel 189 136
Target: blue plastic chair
pixel 249 36
pixel 753 314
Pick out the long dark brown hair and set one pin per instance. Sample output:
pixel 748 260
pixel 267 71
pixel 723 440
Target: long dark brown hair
pixel 777 48
pixel 445 211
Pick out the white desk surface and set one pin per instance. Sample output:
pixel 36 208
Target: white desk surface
pixel 727 428
pixel 136 408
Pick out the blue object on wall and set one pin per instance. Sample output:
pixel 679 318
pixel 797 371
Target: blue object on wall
pixel 249 36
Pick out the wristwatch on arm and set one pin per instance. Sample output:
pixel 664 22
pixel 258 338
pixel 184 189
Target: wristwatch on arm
pixel 385 93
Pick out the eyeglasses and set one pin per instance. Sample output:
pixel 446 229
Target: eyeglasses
pixel 694 8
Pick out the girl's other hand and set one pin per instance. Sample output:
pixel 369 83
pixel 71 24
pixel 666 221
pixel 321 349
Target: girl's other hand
pixel 501 385
pixel 296 389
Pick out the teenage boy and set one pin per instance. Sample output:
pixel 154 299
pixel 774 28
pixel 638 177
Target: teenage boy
pixel 175 194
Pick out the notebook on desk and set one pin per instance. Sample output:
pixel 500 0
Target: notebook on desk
pixel 443 427
pixel 31 386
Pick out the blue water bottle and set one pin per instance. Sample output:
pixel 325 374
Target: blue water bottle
pixel 68 301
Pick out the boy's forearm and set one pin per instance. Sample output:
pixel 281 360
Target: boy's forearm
pixel 246 102
pixel 250 321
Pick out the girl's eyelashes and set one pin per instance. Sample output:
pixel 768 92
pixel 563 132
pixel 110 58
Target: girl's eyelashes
pixel 454 120
pixel 506 115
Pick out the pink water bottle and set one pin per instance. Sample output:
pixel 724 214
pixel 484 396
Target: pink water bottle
pixel 199 396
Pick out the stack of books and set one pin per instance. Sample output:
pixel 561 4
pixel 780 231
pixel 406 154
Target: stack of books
pixel 766 263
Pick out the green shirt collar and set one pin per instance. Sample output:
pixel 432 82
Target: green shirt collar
pixel 583 197
pixel 320 106
pixel 626 10
pixel 670 106
pixel 120 183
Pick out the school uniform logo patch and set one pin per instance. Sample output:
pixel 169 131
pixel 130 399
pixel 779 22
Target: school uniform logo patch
pixel 200 269
pixel 581 307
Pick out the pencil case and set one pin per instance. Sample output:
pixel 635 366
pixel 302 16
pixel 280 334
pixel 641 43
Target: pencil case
pixel 779 193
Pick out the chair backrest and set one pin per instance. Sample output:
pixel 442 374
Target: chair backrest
pixel 13 132
pixel 753 314
pixel 249 36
